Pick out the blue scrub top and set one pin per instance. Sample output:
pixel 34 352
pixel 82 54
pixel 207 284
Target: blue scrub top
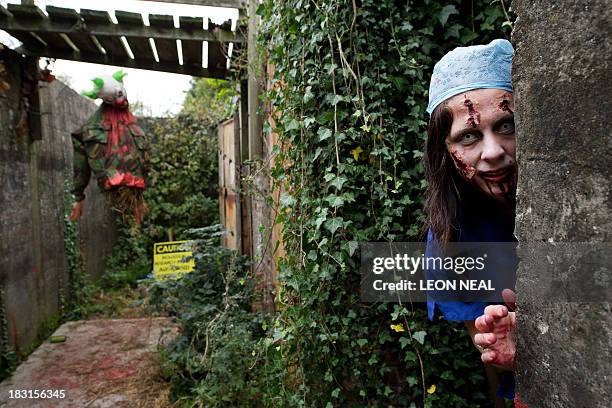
pixel 478 220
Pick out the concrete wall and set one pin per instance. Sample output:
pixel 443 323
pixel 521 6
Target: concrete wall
pixel 35 160
pixel 64 110
pixel 562 88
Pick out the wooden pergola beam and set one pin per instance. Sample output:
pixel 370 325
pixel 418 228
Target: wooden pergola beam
pixel 239 4
pixel 117 30
pixel 106 59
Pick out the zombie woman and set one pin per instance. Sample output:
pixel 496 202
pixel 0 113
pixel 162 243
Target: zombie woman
pixel 470 165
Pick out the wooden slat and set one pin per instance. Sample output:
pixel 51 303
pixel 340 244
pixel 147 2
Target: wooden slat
pixel 63 16
pixel 139 46
pixel 71 21
pixel 83 42
pixel 192 50
pixel 99 58
pixel 105 28
pixel 54 40
pixel 26 12
pixel 44 36
pixel 4 13
pixel 111 43
pixel 210 3
pixel 28 40
pixel 36 15
pixel 166 49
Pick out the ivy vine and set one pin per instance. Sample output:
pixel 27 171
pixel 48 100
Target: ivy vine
pixel 350 87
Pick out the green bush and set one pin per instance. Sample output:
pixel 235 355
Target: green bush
pixel 215 360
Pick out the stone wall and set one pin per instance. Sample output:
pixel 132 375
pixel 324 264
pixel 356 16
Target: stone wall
pixel 562 88
pixel 35 160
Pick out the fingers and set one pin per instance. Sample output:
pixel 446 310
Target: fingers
pixel 510 298
pixel 512 317
pixel 493 315
pixel 496 311
pixel 485 339
pixel 484 323
pixel 488 356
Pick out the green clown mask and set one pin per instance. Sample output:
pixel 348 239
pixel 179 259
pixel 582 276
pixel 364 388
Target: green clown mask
pixel 110 89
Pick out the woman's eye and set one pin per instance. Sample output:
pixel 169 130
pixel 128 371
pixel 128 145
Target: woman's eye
pixel 506 127
pixel 468 138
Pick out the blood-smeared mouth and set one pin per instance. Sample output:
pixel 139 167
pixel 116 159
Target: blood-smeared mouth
pixel 120 102
pixel 497 176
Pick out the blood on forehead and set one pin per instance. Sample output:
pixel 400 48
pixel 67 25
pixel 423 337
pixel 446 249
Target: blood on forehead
pixel 505 103
pixel 473 115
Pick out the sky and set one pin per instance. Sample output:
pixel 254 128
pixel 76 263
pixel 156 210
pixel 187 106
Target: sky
pixel 162 93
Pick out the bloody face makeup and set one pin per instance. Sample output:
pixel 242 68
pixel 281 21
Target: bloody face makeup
pixel 482 142
pixel 473 119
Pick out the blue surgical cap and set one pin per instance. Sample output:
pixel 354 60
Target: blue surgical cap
pixel 467 68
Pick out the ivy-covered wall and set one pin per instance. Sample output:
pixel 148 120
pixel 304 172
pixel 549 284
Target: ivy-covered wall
pixel 350 91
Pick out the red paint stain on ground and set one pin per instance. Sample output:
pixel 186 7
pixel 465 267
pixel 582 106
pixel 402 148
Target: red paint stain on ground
pixel 63 383
pixel 101 363
pixel 118 373
pixel 106 362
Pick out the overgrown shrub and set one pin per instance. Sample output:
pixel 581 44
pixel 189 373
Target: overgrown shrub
pixel 182 190
pixel 350 86
pixel 215 361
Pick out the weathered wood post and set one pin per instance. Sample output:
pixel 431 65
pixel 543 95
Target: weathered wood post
pixel 562 92
pixel 259 170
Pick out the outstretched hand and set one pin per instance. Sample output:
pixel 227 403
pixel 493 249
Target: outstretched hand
pixel 496 333
pixel 77 211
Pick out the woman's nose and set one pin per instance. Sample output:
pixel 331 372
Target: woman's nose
pixel 492 149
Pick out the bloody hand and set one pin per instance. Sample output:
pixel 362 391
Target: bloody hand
pixel 496 333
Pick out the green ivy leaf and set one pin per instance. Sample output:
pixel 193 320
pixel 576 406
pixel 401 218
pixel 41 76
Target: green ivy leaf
pixel 446 12
pixel 292 124
pixel 335 201
pixel 287 200
pixel 419 336
pixel 338 182
pixel 324 133
pixel 333 224
pixel 309 120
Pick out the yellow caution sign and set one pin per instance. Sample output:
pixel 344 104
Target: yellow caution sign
pixel 172 259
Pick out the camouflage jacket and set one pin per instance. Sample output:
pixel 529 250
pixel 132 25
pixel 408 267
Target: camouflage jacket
pixel 126 165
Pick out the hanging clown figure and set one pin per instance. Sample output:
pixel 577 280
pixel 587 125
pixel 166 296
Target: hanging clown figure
pixel 114 148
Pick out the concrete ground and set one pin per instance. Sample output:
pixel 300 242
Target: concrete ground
pixel 102 364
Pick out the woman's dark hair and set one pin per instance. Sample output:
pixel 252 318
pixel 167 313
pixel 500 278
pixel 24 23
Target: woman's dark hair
pixel 442 195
